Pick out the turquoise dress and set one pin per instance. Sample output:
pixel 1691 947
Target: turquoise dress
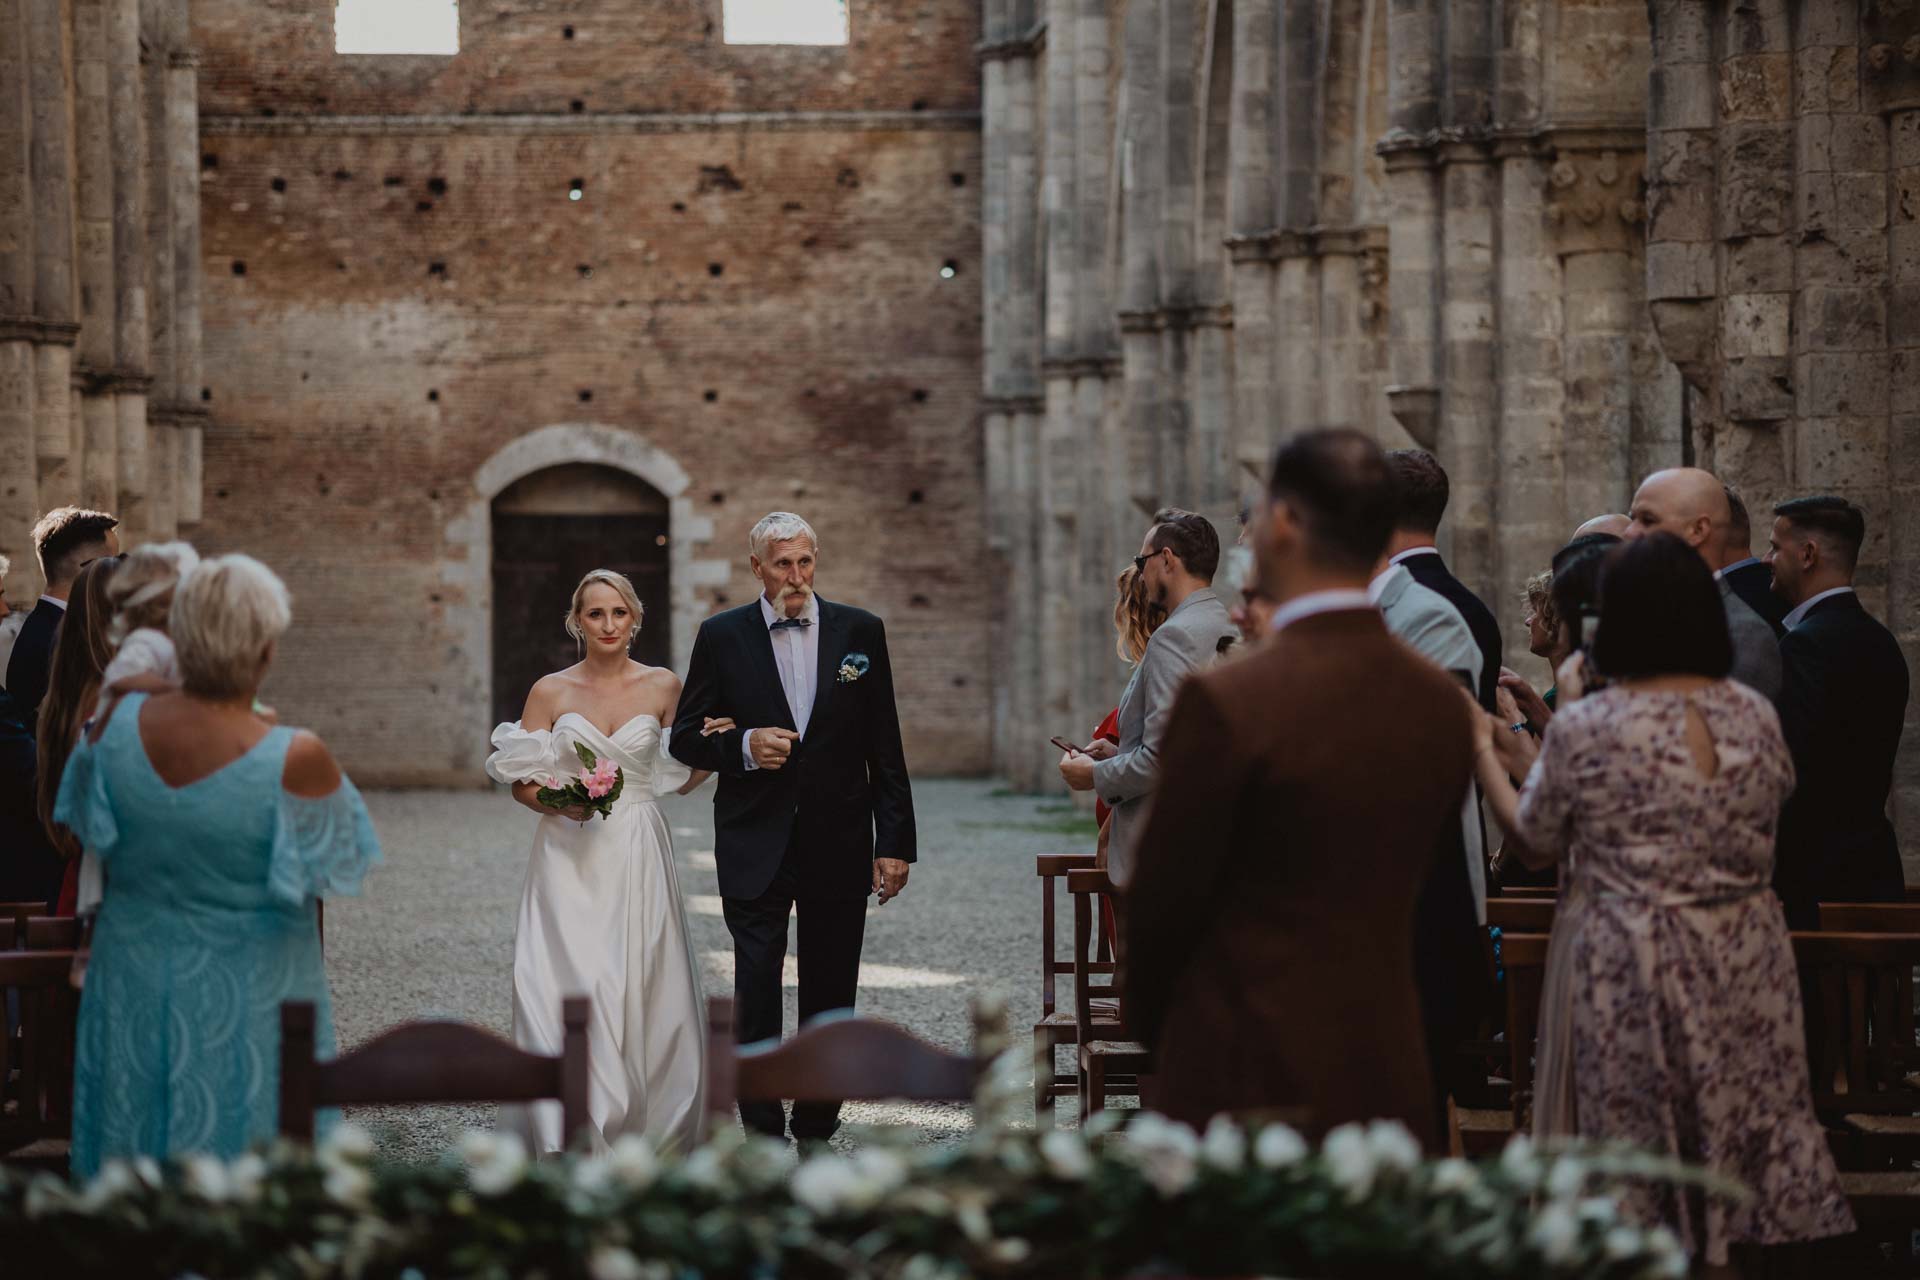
pixel 207 924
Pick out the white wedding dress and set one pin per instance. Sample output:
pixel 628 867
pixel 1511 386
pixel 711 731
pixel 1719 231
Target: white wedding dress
pixel 601 916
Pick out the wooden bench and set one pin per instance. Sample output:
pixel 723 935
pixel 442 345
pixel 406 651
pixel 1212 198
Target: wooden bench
pixel 840 1057
pixel 1056 1028
pixel 36 1065
pixel 1861 1051
pixel 17 913
pixel 1107 1062
pixel 1485 1130
pixel 425 1062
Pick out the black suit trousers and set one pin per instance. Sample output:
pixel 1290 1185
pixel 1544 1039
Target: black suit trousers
pixel 831 931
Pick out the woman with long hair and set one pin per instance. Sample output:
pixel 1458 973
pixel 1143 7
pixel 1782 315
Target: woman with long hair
pixel 81 652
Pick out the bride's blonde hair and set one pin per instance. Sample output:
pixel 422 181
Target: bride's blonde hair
pixel 618 581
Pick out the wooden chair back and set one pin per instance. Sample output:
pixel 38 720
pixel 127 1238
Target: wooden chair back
pixel 1870 917
pixel 1051 867
pixel 841 1057
pixel 422 1062
pixel 1523 956
pixel 1860 1040
pixel 18 912
pixel 35 983
pixel 1521 915
pixel 1095 977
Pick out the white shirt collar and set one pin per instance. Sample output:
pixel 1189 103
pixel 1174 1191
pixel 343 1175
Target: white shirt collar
pixel 1798 613
pixel 811 612
pixel 1411 552
pixel 56 603
pixel 1334 601
pixel 1381 580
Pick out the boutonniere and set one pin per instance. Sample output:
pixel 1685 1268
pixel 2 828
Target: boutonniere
pixel 852 667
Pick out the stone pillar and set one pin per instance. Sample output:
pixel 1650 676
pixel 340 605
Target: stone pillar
pixel 126 132
pixel 54 299
pixel 1902 462
pixel 94 235
pixel 19 492
pixel 1250 214
pixel 1057 481
pixel 183 149
pixel 1467 364
pixel 160 40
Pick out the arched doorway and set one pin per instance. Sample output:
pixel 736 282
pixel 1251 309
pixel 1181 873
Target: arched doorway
pixel 548 528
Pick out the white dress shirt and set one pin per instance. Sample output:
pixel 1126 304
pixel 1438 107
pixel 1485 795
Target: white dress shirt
pixel 1319 602
pixel 1411 552
pixel 1798 613
pixel 56 602
pixel 796 652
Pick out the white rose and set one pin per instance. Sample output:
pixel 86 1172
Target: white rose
pixel 632 1162
pixel 1066 1156
pixel 1279 1146
pixel 1565 1178
pixel 826 1184
pixel 46 1194
pixel 1556 1234
pixel 882 1170
pixel 1351 1160
pixel 207 1178
pixel 495 1161
pixel 1517 1161
pixel 1671 1257
pixel 1598 1210
pixel 609 1262
pixel 348 1184
pixel 247 1174
pixel 1394 1146
pixel 1011 1251
pixel 147 1169
pixel 1454 1176
pixel 1622 1242
pixel 348 1140
pixel 1167 1152
pixel 1224 1146
pixel 704 1169
pixel 114 1180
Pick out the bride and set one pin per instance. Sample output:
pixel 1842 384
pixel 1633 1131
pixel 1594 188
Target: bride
pixel 601 914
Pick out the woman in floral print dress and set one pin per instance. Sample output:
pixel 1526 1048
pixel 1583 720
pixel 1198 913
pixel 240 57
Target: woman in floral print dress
pixel 1662 792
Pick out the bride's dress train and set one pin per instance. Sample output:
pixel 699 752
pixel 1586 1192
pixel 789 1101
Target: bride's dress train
pixel 602 916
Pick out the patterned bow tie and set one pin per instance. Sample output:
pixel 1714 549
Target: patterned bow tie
pixel 791 622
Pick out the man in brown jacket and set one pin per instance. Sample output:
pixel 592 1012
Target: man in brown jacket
pixel 1306 795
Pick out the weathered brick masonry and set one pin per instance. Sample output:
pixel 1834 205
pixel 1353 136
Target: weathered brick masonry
pixel 406 311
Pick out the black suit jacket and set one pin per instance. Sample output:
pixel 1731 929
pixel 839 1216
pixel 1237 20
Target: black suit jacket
pixel 1431 572
pixel 1753 583
pixel 842 799
pixel 32 660
pixel 1843 698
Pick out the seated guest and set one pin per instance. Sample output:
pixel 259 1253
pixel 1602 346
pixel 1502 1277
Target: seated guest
pixel 67 540
pixel 1176 563
pixel 1842 703
pixel 1310 790
pixel 1670 1018
pixel 218 835
pixel 1690 504
pixel 1422 485
pixel 1749 576
pixel 82 649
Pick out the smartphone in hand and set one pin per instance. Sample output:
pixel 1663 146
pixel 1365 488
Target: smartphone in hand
pixel 1066 746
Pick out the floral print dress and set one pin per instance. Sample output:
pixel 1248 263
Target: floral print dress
pixel 1682 1006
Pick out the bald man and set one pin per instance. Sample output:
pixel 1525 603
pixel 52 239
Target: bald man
pixel 1692 505
pixel 1612 523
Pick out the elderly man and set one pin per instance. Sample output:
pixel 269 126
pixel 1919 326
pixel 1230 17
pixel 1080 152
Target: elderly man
pixel 1176 563
pixel 1692 505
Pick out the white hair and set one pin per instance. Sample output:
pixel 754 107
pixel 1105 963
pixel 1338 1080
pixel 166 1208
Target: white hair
pixel 5 565
pixel 142 587
pixel 226 612
pixel 780 526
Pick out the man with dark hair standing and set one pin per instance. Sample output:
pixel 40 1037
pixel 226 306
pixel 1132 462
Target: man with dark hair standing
pixel 67 540
pixel 1310 789
pixel 1746 573
pixel 1422 485
pixel 1843 700
pixel 1176 564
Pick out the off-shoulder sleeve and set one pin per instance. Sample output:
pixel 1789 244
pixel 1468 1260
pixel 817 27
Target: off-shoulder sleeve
pixel 83 806
pixel 668 773
pixel 521 755
pixel 321 848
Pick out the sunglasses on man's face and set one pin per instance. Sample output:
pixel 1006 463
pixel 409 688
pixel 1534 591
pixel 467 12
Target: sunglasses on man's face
pixel 1140 562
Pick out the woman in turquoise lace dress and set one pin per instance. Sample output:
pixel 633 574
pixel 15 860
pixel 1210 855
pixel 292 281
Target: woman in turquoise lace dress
pixel 218 834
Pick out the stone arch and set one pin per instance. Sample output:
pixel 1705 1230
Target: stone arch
pixel 469 534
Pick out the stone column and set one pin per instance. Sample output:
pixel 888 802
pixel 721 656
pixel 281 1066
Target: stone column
pixel 127 135
pixel 19 492
pixel 183 124
pixel 97 352
pixel 1467 398
pixel 1902 466
pixel 54 299
pixel 1250 214
pixel 161 41
pixel 1057 452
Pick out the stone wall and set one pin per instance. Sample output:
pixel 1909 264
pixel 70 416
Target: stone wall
pixel 406 311
pixel 99 269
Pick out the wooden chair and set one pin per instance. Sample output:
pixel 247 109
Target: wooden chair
pixel 36 1067
pixel 1870 917
pixel 18 913
pixel 1107 1063
pixel 1530 891
pixel 418 1062
pixel 1485 1130
pixel 1056 1028
pixel 1861 1051
pixel 1521 915
pixel 842 1058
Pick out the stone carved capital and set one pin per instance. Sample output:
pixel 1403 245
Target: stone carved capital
pixel 1596 200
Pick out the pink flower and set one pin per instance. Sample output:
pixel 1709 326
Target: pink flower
pixel 600 779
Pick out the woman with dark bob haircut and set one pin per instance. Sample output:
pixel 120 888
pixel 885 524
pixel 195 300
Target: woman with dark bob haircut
pixel 1670 1013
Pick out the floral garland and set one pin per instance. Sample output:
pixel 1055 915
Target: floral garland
pixel 1007 1203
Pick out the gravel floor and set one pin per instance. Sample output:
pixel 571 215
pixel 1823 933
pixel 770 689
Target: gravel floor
pixel 432 935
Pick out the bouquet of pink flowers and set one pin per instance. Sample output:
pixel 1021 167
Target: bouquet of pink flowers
pixel 594 790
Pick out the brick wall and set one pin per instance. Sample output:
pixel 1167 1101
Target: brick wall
pixel 390 304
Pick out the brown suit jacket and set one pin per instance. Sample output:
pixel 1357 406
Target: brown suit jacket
pixel 1306 792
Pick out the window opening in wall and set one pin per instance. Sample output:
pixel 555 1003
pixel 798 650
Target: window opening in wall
pixel 784 21
pixel 396 26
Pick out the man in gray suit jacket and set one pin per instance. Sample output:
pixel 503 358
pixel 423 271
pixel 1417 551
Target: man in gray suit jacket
pixel 1692 505
pixel 1176 565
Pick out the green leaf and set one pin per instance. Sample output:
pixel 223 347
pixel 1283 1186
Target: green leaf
pixel 586 756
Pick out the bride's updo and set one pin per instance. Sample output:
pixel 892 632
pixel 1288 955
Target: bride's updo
pixel 618 581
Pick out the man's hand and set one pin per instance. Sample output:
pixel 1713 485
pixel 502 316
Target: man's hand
pixel 1100 749
pixel 1077 768
pixel 889 877
pixel 710 725
pixel 771 747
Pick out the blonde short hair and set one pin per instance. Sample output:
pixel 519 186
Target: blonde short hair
pixel 780 526
pixel 1537 595
pixel 226 612
pixel 618 581
pixel 142 589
